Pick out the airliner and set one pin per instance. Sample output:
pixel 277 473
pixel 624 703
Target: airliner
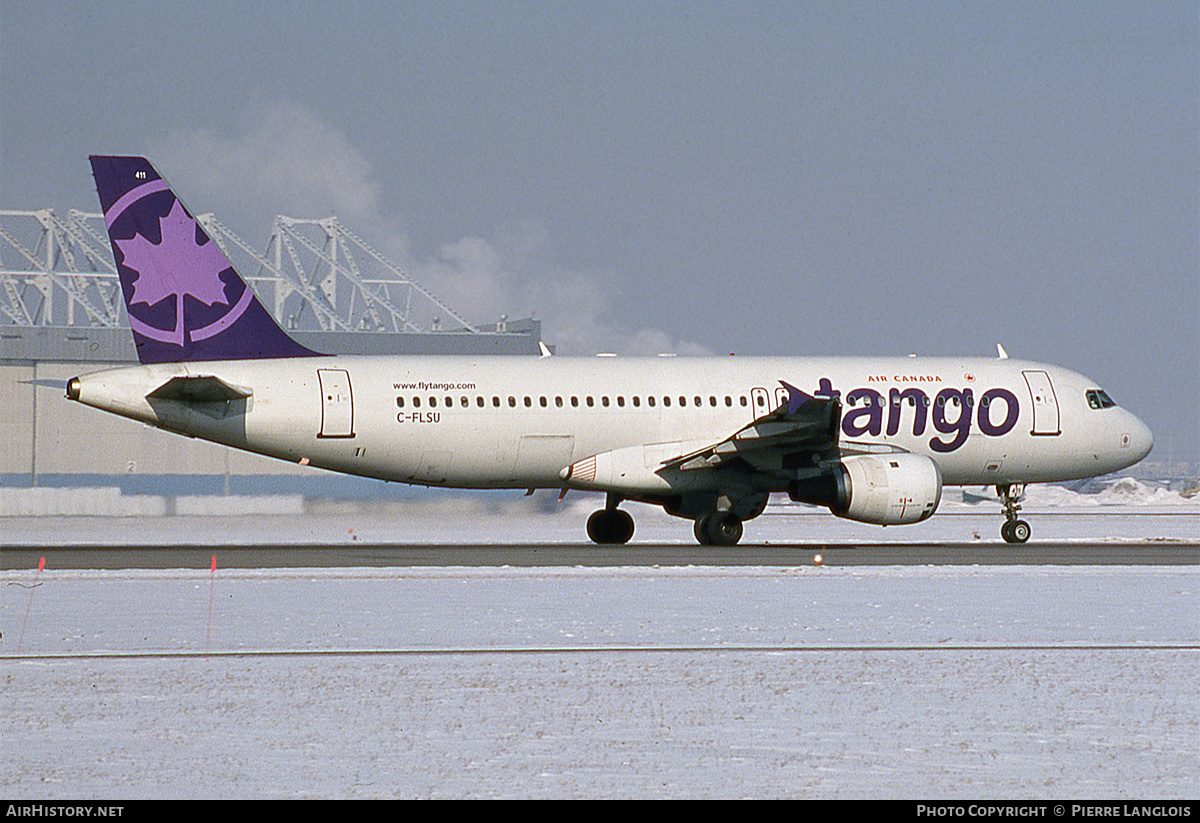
pixel 709 439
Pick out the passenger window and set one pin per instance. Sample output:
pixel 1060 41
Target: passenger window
pixel 604 400
pixel 416 402
pixel 621 401
pixel 400 402
pixel 433 402
pixel 512 401
pixel 495 401
pixel 528 402
pixel 542 402
pixel 650 401
pixel 574 402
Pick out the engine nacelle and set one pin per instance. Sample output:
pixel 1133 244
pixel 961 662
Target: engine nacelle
pixel 884 489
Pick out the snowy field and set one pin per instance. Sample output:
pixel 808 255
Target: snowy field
pixel 813 682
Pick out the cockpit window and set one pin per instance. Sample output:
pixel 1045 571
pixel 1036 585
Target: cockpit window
pixel 1098 399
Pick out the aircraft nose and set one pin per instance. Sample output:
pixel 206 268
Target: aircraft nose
pixel 1141 439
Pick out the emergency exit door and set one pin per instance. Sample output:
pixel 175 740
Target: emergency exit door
pixel 337 403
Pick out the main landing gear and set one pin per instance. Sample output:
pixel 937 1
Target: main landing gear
pixel 718 528
pixel 1013 530
pixel 610 526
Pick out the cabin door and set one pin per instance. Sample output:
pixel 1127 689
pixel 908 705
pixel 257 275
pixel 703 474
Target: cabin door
pixel 1045 404
pixel 337 403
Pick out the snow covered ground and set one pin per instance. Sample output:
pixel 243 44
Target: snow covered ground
pixel 957 682
pixel 922 682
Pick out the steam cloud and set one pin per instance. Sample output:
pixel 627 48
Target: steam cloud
pixel 287 160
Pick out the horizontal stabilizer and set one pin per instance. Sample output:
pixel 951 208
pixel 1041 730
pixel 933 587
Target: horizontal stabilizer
pixel 204 388
pixel 46 384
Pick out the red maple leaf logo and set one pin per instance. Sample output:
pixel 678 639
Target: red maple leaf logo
pixel 177 265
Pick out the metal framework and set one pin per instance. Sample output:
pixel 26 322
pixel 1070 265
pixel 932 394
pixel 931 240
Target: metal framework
pixel 316 275
pixel 57 272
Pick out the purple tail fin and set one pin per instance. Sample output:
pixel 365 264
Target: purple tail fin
pixel 184 298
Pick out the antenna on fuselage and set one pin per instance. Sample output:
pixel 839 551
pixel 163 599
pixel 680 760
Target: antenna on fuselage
pixel 1000 352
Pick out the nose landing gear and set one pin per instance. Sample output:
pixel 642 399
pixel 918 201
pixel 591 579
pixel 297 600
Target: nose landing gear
pixel 1014 530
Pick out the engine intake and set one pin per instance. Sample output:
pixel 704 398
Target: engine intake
pixel 884 489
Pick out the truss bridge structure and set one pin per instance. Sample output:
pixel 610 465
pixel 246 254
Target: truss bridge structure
pixel 321 281
pixel 314 275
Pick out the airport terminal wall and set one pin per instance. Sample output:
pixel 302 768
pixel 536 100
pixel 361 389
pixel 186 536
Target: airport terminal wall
pixel 52 440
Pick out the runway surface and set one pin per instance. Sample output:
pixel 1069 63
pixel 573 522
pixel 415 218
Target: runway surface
pixel 1162 553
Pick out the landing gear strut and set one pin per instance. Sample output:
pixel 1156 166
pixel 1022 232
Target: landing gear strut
pixel 610 526
pixel 1013 530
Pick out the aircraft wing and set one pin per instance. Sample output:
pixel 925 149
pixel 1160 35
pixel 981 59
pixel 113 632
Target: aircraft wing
pixel 804 424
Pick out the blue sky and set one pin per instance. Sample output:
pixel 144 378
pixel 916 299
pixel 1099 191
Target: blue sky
pixel 762 178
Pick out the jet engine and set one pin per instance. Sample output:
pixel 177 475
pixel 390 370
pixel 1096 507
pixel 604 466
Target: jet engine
pixel 884 489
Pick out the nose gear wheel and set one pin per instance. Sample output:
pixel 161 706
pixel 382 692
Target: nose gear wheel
pixel 1014 529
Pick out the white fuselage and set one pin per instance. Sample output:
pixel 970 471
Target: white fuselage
pixel 511 422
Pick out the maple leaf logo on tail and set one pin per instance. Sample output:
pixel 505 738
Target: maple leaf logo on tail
pixel 178 265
